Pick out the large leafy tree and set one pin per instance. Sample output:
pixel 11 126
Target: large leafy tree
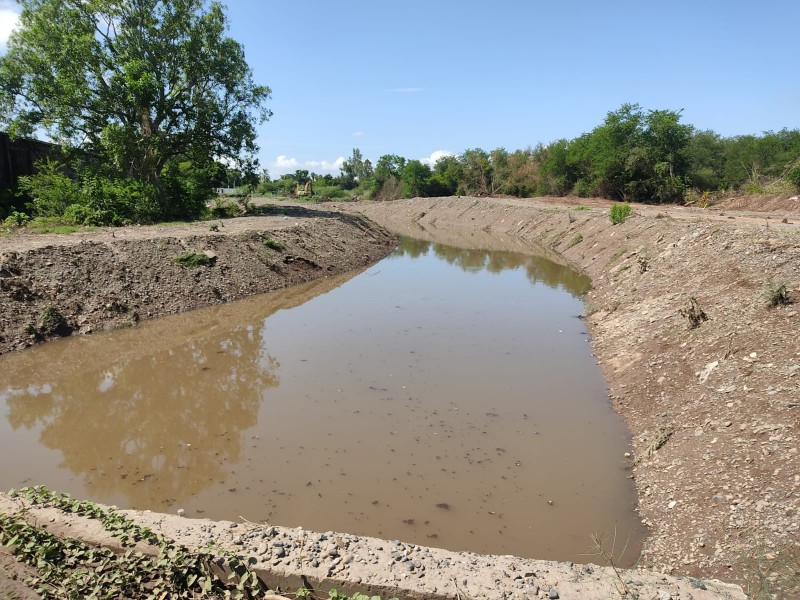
pixel 154 87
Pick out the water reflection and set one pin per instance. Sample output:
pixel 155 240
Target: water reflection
pixel 538 268
pixel 146 432
pixel 150 417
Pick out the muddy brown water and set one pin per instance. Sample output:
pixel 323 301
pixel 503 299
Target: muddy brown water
pixel 445 397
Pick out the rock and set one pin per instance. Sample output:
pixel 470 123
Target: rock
pixel 706 372
pixel 553 594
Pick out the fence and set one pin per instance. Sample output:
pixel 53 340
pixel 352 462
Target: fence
pixel 17 158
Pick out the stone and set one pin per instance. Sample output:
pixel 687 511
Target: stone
pixel 553 594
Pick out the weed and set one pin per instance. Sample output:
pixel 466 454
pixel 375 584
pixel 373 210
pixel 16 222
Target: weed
pixel 644 263
pixel 272 244
pixel 193 259
pixel 581 208
pixel 574 241
pixel 620 212
pixel 68 568
pixel 51 322
pixel 771 573
pixel 695 315
pixel 608 556
pixel 213 227
pixel 776 294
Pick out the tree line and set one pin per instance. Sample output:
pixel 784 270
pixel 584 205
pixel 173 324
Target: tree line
pixel 635 154
pixel 153 107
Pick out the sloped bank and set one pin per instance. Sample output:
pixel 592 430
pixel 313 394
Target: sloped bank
pixel 713 409
pixel 52 286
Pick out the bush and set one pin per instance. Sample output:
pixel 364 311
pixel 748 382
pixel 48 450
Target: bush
pixel 793 177
pixel 777 294
pixel 620 212
pixel 50 190
pixel 16 219
pixel 224 209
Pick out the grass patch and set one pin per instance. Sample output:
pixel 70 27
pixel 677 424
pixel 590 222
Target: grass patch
pixel 574 241
pixel 273 244
pixel 193 259
pixel 620 212
pixel 580 208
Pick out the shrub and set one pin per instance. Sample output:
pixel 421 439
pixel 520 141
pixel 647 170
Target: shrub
pixel 777 294
pixel 793 177
pixel 224 209
pixel 49 189
pixel 693 313
pixel 16 219
pixel 620 212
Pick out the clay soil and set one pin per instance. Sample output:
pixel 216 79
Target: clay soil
pixel 712 409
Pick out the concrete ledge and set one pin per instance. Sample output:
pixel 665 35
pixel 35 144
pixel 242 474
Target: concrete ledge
pixel 288 558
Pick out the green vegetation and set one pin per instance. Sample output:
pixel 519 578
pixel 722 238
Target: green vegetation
pixel 193 259
pixel 777 294
pixel 574 241
pixel 272 244
pixel 620 212
pixel 67 568
pixel 635 154
pixel 153 100
pixel 50 323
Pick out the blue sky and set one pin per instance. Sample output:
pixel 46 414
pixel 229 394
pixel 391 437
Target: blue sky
pixel 418 77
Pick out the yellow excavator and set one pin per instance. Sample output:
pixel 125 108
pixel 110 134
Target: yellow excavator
pixel 304 190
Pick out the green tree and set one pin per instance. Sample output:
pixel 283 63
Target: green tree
pixel 153 87
pixel 355 170
pixel 447 174
pixel 416 179
pixel 477 172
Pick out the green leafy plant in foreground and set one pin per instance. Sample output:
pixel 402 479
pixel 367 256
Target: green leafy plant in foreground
pixel 68 568
pixel 620 212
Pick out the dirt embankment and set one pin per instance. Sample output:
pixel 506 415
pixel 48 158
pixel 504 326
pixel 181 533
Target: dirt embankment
pixel 714 410
pixel 54 285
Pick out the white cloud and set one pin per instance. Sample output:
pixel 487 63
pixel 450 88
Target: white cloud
pixel 435 157
pixel 8 21
pixel 358 133
pixel 284 164
pixel 407 90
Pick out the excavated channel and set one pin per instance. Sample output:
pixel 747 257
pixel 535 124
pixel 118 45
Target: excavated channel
pixel 444 397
